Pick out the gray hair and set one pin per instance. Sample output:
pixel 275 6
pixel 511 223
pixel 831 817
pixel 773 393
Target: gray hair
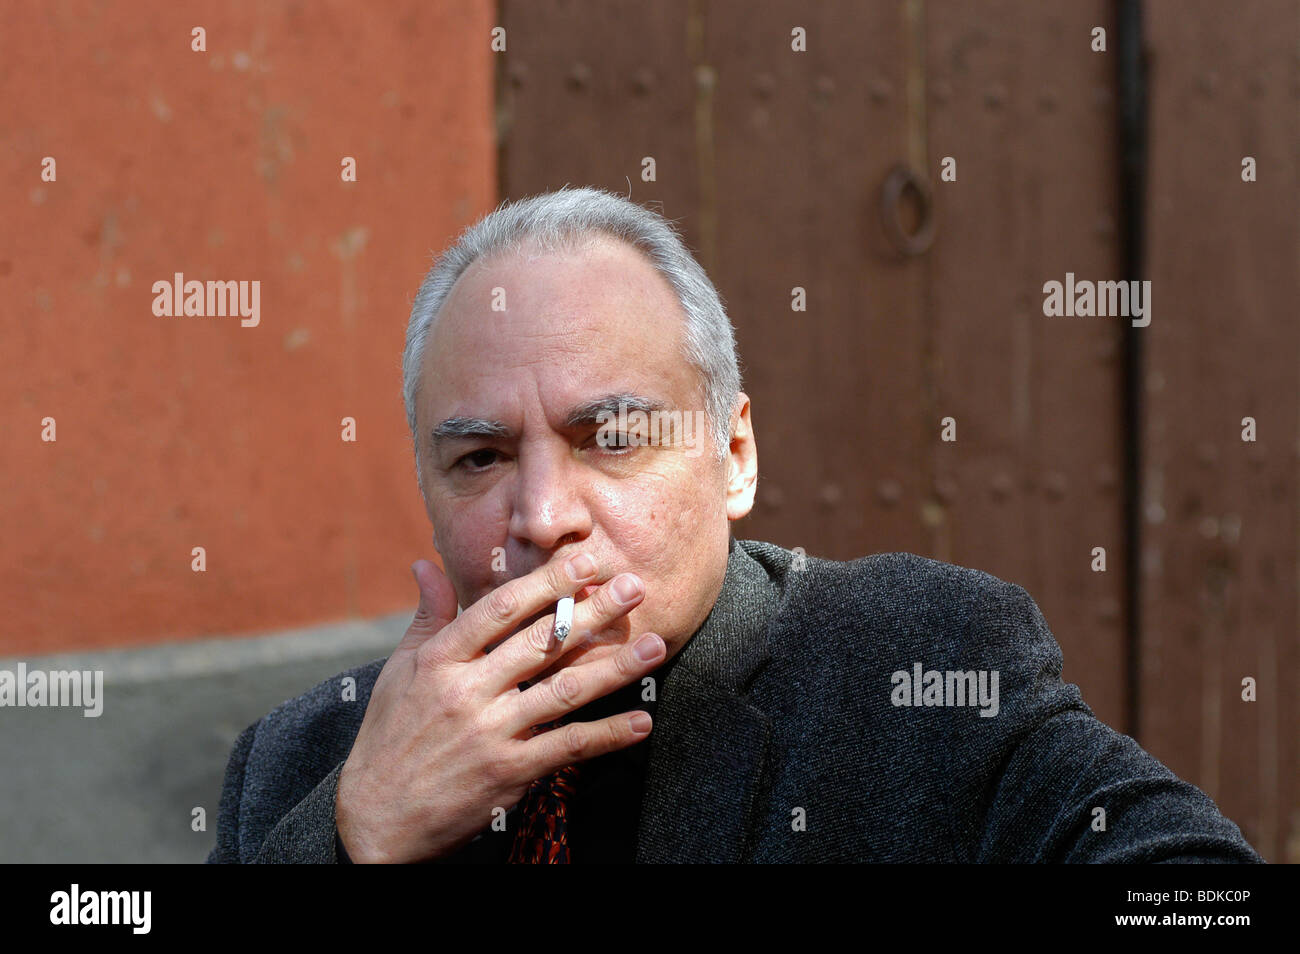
pixel 564 219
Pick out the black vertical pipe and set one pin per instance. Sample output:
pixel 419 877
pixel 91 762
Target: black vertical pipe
pixel 1132 81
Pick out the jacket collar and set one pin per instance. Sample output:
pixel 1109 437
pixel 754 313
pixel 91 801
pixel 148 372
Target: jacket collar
pixel 709 744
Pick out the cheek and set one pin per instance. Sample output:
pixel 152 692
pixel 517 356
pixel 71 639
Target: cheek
pixel 700 502
pixel 643 519
pixel 662 526
pixel 467 537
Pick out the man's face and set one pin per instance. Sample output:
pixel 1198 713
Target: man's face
pixel 577 327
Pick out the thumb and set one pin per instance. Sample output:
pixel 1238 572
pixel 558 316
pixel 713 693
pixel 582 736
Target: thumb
pixel 437 601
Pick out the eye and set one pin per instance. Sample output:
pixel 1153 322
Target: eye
pixel 477 459
pixel 619 443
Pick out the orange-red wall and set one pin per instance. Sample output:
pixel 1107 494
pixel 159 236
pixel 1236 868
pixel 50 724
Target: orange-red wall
pixel 174 433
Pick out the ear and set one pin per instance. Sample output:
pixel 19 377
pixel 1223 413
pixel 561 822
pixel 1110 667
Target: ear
pixel 742 461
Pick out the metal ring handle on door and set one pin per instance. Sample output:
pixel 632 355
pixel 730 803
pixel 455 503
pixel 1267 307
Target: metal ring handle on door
pixel 897 183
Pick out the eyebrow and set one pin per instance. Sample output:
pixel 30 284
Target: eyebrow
pixel 588 412
pixel 591 412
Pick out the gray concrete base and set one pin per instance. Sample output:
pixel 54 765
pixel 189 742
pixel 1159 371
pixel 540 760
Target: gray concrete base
pixel 122 787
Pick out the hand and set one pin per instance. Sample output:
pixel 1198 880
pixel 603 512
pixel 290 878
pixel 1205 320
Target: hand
pixel 447 736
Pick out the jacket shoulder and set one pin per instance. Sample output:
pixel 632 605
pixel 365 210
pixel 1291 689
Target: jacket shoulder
pixel 295 745
pixel 913 578
pixel 886 602
pixel 879 581
pixel 900 568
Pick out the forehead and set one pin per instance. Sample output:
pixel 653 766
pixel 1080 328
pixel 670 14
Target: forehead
pixel 574 322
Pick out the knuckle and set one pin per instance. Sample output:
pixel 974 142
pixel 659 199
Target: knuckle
pixel 606 605
pixel 430 656
pixel 614 729
pixel 539 638
pixel 499 767
pixel 557 578
pixel 500 605
pixel 452 699
pixel 627 664
pixel 573 741
pixel 566 688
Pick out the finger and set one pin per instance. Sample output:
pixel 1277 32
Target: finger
pixel 502 610
pixel 437 604
pixel 551 751
pixel 573 687
pixel 535 648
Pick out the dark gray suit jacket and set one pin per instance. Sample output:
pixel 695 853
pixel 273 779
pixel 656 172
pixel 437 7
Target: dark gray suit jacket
pixel 780 736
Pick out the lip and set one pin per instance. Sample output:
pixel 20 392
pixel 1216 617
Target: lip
pixel 587 590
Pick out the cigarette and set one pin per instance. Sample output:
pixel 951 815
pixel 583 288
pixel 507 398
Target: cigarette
pixel 563 618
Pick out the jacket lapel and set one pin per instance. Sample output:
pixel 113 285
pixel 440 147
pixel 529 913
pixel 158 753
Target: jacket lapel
pixel 709 745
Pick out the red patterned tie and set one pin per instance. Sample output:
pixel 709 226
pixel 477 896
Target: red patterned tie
pixel 543 834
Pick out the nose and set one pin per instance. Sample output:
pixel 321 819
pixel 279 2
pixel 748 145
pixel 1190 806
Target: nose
pixel 549 507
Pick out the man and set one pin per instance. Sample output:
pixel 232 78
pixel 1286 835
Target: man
pixel 714 699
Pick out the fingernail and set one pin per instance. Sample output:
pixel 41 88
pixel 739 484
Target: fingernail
pixel 626 587
pixel 640 722
pixel 581 567
pixel 647 647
